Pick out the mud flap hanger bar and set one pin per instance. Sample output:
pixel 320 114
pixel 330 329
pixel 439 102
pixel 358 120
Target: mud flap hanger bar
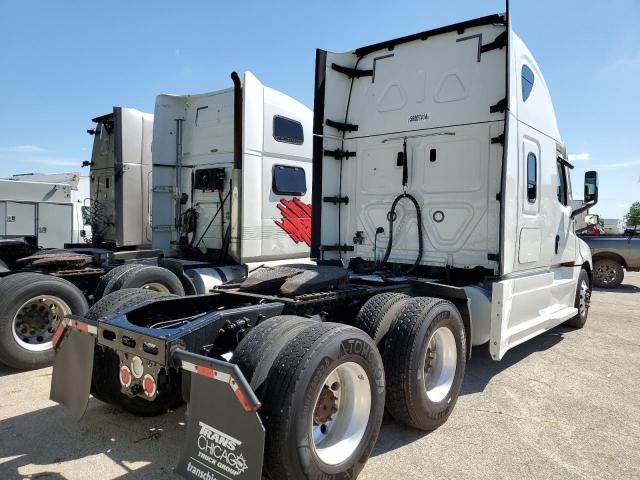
pixel 77 323
pixel 221 371
pixel 225 436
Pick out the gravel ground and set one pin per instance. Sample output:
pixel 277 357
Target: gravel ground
pixel 563 405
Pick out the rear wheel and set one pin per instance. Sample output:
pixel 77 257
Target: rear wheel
pixel 607 273
pixel 322 403
pixel 149 277
pixel 424 358
pixel 107 281
pixel 32 305
pixel 378 313
pixel 583 299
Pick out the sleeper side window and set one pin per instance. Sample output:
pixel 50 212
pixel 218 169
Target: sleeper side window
pixel 527 82
pixel 287 131
pixel 289 180
pixel 532 178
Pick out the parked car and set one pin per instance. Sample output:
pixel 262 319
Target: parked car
pixel 612 255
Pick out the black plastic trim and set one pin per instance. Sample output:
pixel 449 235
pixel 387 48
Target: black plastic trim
pixel 338 248
pixel 352 72
pixel 499 43
pixel 456 27
pixel 339 154
pixel 318 152
pixel 237 120
pixel 336 200
pixel 501 106
pixel 344 127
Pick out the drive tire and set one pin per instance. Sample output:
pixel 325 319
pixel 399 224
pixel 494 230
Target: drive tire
pixel 422 321
pixel 607 273
pixel 378 314
pixel 260 347
pixel 583 297
pixel 23 294
pixel 291 398
pixel 151 278
pixel 105 383
pixel 106 282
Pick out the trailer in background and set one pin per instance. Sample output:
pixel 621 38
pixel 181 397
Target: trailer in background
pixel 40 209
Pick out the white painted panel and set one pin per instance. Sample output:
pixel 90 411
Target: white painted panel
pixel 529 251
pixel 55 224
pixel 20 219
pixel 526 306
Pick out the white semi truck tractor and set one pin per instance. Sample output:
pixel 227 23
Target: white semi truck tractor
pixel 170 212
pixel 442 221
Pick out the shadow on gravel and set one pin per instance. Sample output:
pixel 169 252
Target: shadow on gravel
pixel 5 371
pixel 394 435
pixel 32 444
pixel 623 288
pixel 482 368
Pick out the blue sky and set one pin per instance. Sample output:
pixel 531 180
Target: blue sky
pixel 62 63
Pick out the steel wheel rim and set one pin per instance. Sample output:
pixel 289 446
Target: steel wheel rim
pixel 583 302
pixel 337 438
pixel 156 287
pixel 35 322
pixel 441 359
pixel 606 274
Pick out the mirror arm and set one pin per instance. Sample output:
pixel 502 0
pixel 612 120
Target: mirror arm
pixel 585 206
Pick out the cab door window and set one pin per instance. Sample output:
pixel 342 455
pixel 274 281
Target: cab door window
pixel 532 178
pixel 561 183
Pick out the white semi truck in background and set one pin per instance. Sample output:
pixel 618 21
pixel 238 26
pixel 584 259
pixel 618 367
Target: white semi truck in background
pixel 441 221
pixel 46 211
pixel 212 214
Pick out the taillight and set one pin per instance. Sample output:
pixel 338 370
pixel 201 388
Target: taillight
pixel 149 385
pixel 125 376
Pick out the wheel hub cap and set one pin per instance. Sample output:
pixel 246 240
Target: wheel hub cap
pixel 341 413
pixel 36 321
pixel 440 363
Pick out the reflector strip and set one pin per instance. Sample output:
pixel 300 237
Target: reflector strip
pixel 205 371
pixel 243 400
pixel 58 335
pixel 83 327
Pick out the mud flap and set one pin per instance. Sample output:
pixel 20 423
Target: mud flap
pixel 72 370
pixel 225 436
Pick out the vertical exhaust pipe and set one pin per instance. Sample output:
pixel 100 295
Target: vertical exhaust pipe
pixel 237 121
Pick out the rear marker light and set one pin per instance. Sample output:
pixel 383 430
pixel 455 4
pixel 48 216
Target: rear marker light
pixel 149 385
pixel 125 376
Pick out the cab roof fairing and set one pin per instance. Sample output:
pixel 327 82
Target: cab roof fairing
pixel 537 111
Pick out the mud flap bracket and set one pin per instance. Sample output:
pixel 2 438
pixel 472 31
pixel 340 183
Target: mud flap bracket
pixel 225 437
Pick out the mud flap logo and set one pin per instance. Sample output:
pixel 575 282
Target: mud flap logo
pixel 220 450
pixel 296 220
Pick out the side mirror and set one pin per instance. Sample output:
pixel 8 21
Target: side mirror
pixel 591 187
